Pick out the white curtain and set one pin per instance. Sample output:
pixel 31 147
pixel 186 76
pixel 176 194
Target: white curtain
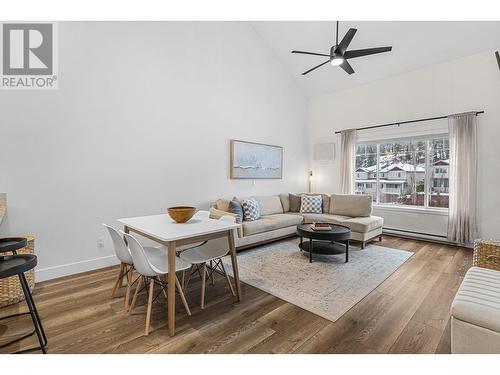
pixel 462 178
pixel 347 160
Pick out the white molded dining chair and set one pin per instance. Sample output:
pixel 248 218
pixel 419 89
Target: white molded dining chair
pixel 209 251
pixel 126 263
pixel 198 215
pixel 152 266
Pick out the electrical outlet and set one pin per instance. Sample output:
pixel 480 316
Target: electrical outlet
pixel 100 242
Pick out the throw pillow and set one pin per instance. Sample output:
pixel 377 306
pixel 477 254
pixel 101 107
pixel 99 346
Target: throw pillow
pixel 217 214
pixel 235 208
pixel 294 202
pixel 326 201
pixel 285 202
pixel 311 204
pixel 251 209
pixel 222 204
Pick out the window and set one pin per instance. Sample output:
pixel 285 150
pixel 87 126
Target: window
pixel 439 158
pixel 366 160
pixel 411 172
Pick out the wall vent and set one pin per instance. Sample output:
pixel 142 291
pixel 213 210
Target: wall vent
pixel 324 151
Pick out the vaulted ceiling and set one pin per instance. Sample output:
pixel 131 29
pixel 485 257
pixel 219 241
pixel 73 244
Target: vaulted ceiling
pixel 415 45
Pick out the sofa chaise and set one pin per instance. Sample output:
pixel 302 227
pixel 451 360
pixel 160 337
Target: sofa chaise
pixel 279 218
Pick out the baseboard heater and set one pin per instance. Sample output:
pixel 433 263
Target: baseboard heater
pixel 418 235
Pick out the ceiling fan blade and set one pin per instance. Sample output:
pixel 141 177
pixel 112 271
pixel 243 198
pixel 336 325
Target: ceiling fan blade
pixel 347 67
pixel 346 40
pixel 310 53
pixel 365 52
pixel 316 67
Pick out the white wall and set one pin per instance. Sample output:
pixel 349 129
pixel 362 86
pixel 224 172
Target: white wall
pixel 470 83
pixel 141 121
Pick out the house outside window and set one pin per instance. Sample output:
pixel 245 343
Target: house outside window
pixel 408 172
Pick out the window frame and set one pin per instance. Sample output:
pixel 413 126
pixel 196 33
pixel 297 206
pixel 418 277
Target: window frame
pixel 427 177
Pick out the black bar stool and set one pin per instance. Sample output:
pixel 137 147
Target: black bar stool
pixel 18 264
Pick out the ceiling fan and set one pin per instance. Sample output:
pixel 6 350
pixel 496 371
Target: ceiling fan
pixel 339 55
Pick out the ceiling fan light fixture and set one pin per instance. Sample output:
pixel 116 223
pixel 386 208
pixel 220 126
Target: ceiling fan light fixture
pixel 340 55
pixel 336 61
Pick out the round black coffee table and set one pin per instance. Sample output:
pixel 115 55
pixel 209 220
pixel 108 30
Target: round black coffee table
pixel 334 241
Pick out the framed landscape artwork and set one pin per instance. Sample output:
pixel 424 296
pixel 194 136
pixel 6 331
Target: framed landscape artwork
pixel 255 160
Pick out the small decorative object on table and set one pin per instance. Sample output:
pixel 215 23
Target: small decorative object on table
pixel 181 214
pixel 321 226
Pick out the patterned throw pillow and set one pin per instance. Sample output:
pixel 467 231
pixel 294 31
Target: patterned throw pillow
pixel 311 204
pixel 251 209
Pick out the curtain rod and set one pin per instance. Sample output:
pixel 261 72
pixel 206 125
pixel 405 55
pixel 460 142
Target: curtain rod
pixel 405 122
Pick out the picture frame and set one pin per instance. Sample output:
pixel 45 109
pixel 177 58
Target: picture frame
pixel 251 160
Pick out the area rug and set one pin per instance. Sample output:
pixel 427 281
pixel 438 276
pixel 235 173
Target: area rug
pixel 328 287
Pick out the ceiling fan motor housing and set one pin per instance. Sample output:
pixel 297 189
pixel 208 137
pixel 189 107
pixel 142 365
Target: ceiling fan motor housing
pixel 333 52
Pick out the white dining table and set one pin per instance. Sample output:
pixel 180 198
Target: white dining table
pixel 164 230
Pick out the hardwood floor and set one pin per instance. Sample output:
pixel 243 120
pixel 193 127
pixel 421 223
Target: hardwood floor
pixel 407 313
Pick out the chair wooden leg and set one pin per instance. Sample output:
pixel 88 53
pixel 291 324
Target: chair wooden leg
pixel 162 288
pixel 129 285
pixel 362 245
pixel 150 303
pixel 183 298
pixel 188 277
pixel 183 278
pixel 227 277
pixel 380 238
pixel 119 280
pixel 203 281
pixel 212 281
pixel 137 291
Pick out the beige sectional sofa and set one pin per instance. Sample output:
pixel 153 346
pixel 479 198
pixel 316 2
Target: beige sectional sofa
pixel 277 221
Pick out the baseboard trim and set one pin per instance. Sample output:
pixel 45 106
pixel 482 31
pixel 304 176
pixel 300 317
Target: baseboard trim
pixel 421 236
pixel 413 233
pixel 49 273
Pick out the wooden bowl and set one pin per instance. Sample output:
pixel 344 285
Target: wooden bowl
pixel 181 214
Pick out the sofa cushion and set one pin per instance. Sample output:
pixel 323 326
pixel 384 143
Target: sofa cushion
pixel 269 204
pixel 311 204
pixel 295 200
pixel 478 299
pixel 363 224
pixel 326 203
pixel 354 205
pixel 270 222
pixel 285 202
pixel 324 218
pixel 251 209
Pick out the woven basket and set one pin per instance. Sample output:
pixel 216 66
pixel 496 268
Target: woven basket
pixel 486 254
pixel 10 288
